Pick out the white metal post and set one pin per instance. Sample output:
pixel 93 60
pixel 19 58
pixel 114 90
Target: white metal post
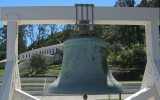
pixel 10 80
pixel 151 77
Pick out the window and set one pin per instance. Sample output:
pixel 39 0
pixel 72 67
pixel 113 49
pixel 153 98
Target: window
pixel 47 51
pixel 50 51
pixel 23 56
pixel 56 50
pixel 53 51
pixel 26 55
pixel 29 55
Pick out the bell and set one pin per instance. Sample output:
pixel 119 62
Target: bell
pixel 85 69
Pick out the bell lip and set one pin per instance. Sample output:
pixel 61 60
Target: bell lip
pixel 117 90
pixel 100 93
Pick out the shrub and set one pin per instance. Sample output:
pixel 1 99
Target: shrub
pixel 2 55
pixel 38 62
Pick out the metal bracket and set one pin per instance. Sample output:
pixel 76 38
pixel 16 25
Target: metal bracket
pixel 84 17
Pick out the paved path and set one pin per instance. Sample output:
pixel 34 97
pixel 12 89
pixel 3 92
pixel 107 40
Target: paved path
pixel 90 97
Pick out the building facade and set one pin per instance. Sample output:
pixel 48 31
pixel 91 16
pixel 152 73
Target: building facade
pixel 52 53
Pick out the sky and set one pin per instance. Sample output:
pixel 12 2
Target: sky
pixel 13 3
pixel 4 3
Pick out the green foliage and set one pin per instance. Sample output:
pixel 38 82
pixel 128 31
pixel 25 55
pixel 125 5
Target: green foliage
pixel 3 38
pixel 139 59
pixel 52 70
pixel 2 55
pixel 149 3
pixel 1 71
pixel 38 62
pixel 22 40
pixel 125 3
pixel 115 50
pixel 135 59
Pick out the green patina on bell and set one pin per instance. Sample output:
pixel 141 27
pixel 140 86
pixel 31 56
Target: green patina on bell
pixel 85 69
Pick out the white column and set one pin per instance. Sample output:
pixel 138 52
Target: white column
pixel 11 74
pixel 17 75
pixel 152 72
pixel 152 39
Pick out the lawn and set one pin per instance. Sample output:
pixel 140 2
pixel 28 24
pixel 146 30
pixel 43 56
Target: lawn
pixel 52 70
pixel 130 81
pixel 1 71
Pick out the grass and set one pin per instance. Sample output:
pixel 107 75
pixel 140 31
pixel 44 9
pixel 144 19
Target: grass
pixel 100 99
pixel 51 66
pixel 141 76
pixel 37 83
pixel 52 70
pixel 130 81
pixel 1 71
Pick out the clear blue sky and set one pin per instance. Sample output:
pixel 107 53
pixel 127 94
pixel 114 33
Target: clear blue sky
pixel 4 3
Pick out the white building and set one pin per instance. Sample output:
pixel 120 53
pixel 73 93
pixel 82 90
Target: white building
pixel 51 52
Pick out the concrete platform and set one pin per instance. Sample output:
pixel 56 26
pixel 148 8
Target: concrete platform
pixel 80 97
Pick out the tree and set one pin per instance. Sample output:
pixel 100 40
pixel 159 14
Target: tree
pixel 53 28
pixel 52 39
pixel 115 50
pixel 22 41
pixel 38 62
pixel 150 3
pixel 2 55
pixel 124 3
pixel 139 59
pixel 41 35
pixel 30 32
pixel 3 38
pixel 68 31
pixel 97 30
pixel 135 59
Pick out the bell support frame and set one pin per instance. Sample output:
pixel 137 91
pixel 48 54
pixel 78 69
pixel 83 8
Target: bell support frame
pixel 14 16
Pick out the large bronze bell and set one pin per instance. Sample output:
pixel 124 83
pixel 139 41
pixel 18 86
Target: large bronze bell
pixel 84 69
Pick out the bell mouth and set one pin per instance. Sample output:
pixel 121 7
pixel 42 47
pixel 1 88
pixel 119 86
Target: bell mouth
pixel 73 91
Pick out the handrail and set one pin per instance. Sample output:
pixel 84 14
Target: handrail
pixel 21 95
